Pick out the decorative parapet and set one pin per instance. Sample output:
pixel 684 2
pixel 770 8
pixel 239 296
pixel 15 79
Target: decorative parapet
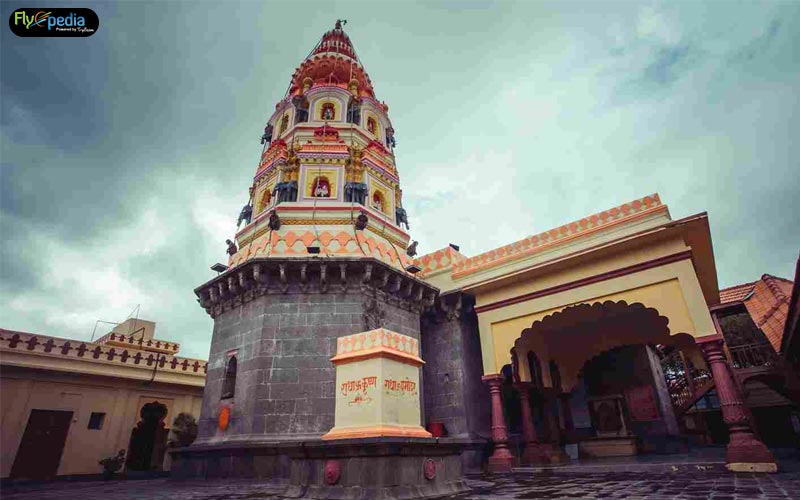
pixel 378 342
pixel 557 236
pixel 103 353
pixel 330 228
pixel 120 340
pixel 438 261
pixel 309 275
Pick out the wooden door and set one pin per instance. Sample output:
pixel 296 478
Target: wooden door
pixel 42 444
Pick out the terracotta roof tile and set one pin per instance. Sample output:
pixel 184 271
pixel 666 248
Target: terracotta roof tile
pixel 769 306
pixel 735 293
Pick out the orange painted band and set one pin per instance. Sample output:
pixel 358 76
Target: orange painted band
pixel 377 431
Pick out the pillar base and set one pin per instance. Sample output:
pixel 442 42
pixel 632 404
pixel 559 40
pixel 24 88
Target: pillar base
pixel 501 461
pixel 752 467
pixel 749 455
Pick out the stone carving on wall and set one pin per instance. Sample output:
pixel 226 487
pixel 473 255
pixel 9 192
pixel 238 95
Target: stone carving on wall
pixel 373 314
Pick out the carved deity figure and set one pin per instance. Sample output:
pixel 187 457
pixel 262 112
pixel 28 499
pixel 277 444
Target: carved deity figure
pixel 321 188
pixel 328 112
pixel 377 201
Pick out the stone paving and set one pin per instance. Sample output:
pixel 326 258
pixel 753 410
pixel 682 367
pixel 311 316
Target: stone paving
pixel 644 486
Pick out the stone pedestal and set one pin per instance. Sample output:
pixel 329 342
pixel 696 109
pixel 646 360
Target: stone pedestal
pixel 377 386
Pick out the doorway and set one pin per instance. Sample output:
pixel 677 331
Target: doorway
pixel 42 445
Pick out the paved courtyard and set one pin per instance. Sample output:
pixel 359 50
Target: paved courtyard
pixel 691 486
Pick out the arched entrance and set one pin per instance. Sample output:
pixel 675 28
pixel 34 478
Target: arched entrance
pixel 148 439
pixel 613 352
pixel 596 370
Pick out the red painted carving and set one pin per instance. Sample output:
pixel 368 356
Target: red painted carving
pixel 326 134
pixel 333 471
pixel 400 387
pixel 429 469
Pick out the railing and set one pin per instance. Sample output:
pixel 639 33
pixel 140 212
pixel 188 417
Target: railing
pixel 684 395
pixel 753 356
pixel 684 390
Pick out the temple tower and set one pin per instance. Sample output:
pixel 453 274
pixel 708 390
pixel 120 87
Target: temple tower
pixel 321 255
pixel 327 159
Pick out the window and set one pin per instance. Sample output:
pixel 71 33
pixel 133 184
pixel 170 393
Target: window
pixel 229 384
pixel 96 420
pixel 284 124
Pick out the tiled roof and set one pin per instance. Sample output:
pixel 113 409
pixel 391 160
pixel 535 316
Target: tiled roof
pixel 767 302
pixel 769 306
pixel 735 293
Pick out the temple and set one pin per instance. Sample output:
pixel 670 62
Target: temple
pixel 602 337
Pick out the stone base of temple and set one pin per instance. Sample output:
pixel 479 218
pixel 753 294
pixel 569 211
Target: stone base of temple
pixel 607 447
pixel 386 468
pixel 543 453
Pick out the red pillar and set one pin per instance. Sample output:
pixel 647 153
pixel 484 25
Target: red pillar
pixel 533 452
pixel 501 460
pixel 745 452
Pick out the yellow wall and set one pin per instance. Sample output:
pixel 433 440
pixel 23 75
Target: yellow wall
pixel 672 289
pixel 22 390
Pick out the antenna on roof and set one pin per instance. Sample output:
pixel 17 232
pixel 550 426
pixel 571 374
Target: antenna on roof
pixel 95 326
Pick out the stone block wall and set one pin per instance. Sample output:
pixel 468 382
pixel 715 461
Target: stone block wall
pixel 453 390
pixel 283 343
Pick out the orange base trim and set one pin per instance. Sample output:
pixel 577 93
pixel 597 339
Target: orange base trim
pixel 377 431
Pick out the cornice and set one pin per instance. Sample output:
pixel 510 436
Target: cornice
pixel 313 275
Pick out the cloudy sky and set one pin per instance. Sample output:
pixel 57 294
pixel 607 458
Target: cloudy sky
pixel 126 156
